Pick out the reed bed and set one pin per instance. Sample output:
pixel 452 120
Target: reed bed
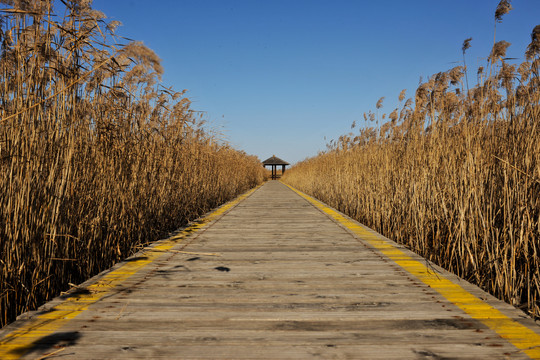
pixel 454 174
pixel 97 158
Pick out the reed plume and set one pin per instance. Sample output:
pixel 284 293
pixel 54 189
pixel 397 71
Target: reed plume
pixel 97 157
pixel 455 177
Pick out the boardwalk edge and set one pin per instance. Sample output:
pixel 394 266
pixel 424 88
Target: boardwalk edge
pixel 15 342
pixel 522 337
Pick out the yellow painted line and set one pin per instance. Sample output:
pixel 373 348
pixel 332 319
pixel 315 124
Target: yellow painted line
pixel 18 342
pixel 522 337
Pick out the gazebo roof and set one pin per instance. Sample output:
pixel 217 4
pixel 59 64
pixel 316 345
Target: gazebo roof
pixel 274 161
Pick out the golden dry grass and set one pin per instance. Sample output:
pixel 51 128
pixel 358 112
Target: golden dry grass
pixel 96 157
pixel 454 175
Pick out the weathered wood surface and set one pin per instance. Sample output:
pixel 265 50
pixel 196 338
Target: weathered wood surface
pixel 299 286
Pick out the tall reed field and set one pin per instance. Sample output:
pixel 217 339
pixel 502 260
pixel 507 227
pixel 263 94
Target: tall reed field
pixel 96 156
pixel 453 174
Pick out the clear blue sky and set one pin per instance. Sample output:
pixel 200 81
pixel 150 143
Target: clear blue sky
pixel 278 76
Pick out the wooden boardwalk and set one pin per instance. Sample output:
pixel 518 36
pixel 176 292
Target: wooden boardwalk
pixel 274 276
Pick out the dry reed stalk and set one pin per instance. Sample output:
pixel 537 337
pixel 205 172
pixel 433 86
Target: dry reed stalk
pixel 456 177
pixel 96 157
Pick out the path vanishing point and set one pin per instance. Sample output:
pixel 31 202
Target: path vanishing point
pixel 274 275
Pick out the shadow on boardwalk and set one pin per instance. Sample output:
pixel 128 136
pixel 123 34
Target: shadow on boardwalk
pixel 274 278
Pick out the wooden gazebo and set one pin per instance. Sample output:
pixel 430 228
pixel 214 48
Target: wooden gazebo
pixel 274 162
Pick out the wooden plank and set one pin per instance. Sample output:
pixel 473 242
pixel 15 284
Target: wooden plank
pixel 289 283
